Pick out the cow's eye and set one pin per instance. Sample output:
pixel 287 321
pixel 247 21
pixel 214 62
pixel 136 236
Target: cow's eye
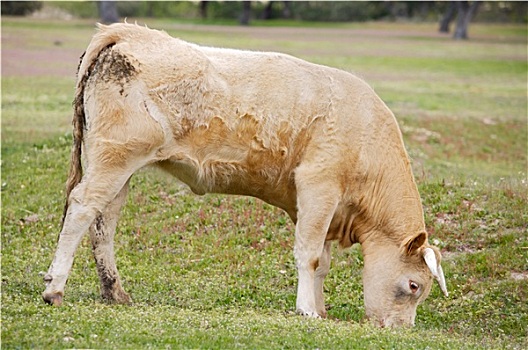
pixel 413 286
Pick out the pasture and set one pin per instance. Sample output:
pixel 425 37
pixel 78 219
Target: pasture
pixel 218 271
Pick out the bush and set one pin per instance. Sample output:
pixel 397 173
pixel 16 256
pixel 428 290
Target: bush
pixel 338 11
pixel 20 8
pixel 82 9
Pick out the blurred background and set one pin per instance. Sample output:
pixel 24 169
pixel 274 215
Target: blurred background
pixel 282 12
pixel 453 73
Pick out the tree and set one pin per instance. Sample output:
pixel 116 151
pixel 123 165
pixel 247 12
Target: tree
pixel 108 12
pixel 20 8
pixel 286 11
pixel 268 12
pixel 449 15
pixel 246 13
pixel 203 9
pixel 466 10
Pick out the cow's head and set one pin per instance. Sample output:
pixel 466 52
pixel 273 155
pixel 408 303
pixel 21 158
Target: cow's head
pixel 398 278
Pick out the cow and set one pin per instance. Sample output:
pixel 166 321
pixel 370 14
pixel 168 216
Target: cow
pixel 313 140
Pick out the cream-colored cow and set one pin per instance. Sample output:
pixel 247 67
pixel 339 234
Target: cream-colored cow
pixel 312 140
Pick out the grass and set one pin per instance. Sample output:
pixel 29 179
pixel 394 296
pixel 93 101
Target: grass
pixel 218 271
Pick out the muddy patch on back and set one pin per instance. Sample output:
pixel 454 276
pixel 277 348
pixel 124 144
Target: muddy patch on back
pixel 113 66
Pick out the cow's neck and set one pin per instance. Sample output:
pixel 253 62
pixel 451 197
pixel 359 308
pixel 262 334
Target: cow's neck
pixel 389 206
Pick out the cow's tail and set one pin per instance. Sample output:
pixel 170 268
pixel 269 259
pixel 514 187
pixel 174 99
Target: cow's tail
pixel 103 39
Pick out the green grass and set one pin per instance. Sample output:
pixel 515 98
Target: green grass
pixel 218 271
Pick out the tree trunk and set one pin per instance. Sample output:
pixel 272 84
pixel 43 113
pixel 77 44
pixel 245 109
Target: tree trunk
pixel 448 17
pixel 150 9
pixel 268 11
pixel 203 9
pixel 286 11
pixel 108 12
pixel 465 14
pixel 246 13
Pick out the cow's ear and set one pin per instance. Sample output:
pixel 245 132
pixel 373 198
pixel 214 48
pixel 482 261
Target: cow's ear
pixel 414 243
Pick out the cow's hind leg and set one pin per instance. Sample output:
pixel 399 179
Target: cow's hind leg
pixel 88 199
pixel 316 206
pixel 102 233
pixel 320 274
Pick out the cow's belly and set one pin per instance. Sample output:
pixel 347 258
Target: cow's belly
pixel 235 178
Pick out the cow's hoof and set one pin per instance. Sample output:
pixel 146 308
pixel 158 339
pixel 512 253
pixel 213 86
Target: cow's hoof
pixel 124 299
pixel 54 299
pixel 310 314
pixel 118 296
pixel 323 314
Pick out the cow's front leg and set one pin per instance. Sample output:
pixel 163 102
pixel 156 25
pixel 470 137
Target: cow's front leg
pixel 320 274
pixel 315 211
pixel 102 234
